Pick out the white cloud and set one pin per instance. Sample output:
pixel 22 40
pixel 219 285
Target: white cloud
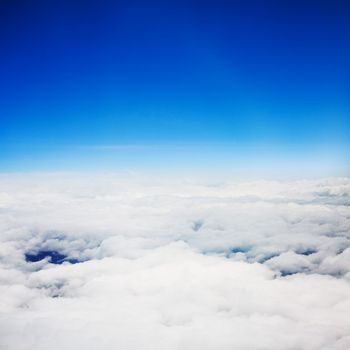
pixel 174 264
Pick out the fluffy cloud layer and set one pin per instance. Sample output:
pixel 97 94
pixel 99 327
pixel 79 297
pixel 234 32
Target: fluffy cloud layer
pixel 155 264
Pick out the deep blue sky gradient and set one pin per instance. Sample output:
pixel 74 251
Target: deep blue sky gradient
pixel 113 84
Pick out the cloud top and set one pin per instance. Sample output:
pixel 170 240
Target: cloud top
pixel 130 262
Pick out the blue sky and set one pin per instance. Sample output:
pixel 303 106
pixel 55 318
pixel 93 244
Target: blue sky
pixel 227 84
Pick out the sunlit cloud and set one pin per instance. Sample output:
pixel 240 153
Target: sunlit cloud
pixel 136 262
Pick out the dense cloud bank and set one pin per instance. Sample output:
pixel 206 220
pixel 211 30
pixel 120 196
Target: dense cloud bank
pixel 123 262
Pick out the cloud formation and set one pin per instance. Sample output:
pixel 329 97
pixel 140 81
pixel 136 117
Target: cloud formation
pixel 129 262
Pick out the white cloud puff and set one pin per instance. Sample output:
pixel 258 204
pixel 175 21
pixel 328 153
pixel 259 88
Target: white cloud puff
pixel 130 262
